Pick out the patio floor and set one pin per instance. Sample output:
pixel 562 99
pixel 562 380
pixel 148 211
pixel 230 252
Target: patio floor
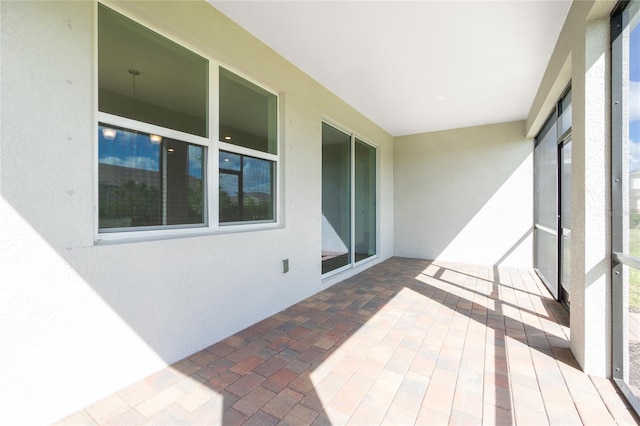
pixel 406 342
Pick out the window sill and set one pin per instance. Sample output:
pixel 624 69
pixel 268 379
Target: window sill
pixel 179 233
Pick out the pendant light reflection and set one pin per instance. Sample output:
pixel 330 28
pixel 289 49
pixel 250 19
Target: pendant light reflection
pixel 155 139
pixel 109 133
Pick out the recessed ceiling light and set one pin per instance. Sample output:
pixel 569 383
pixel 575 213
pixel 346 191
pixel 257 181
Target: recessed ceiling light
pixel 227 138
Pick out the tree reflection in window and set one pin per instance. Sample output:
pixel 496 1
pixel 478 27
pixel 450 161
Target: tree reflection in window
pixel 146 183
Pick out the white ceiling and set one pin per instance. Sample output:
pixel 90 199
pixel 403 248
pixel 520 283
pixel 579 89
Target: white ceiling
pixel 415 66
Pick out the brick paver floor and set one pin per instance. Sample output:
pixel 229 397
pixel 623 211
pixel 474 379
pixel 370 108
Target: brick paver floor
pixel 406 342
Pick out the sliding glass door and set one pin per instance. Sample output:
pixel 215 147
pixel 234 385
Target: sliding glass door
pixel 349 224
pixel 546 205
pixel 336 199
pixel 552 183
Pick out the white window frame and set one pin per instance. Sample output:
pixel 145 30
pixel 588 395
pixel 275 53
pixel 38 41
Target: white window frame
pixel 211 144
pixel 237 149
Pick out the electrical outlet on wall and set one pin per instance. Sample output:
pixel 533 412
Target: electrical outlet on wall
pixel 285 266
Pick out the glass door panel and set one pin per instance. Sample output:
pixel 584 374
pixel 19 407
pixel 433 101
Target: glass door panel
pixel 349 191
pixel 565 221
pixel 546 207
pixel 365 201
pixel 336 199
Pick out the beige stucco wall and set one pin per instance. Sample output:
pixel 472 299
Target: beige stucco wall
pixel 79 320
pixel 581 56
pixel 465 195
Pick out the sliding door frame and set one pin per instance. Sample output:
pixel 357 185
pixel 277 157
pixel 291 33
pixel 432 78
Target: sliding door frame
pixel 562 136
pixel 354 139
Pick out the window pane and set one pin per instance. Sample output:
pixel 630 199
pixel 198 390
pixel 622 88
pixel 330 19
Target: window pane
pixel 631 276
pixel 229 161
pixel 184 195
pixel 248 115
pixel 633 130
pixel 546 252
pixel 145 182
pixel 546 180
pixel 546 204
pixel 229 191
pixel 625 129
pixel 147 77
pixel 257 189
pixel 365 208
pixel 565 114
pixel 246 188
pixel 632 296
pixel 336 198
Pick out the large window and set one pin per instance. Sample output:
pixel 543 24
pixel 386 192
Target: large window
pixel 247 114
pixel 248 136
pixel 625 181
pixel 348 199
pixel 156 137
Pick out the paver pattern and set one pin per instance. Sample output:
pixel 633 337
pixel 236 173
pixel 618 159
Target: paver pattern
pixel 406 342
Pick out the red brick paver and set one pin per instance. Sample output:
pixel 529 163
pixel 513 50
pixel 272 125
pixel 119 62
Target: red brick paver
pixel 406 342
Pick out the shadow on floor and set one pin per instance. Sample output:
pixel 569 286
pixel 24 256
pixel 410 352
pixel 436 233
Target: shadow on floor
pixel 406 342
